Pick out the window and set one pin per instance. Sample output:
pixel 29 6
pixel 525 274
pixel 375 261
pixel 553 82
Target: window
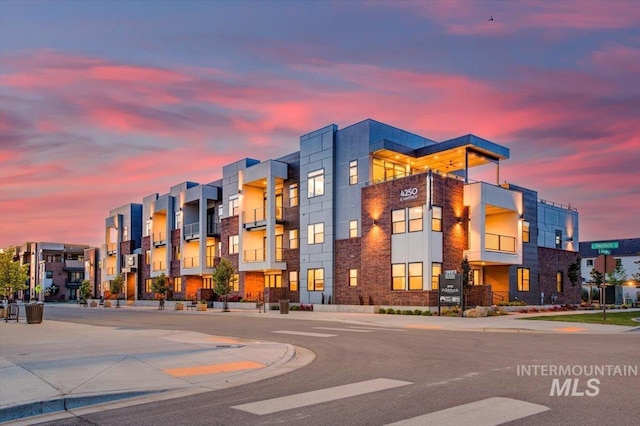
pixel 178 221
pixel 415 276
pixel 147 285
pixel 220 212
pixel 353 277
pixel 415 219
pixel 293 195
pixel 398 221
pixel 147 257
pixel 353 228
pixel 48 274
pixel 147 228
pixel 75 276
pixel 316 183
pixel 273 281
pixel 436 270
pixel 207 283
pixel 233 244
pixel 558 238
pixel 436 218
pixel 353 172
pixel 177 284
pixel 125 233
pixel 235 282
pixel 590 263
pixel 315 233
pixel 293 239
pixel 234 206
pixel 386 170
pixel 559 282
pixel 315 279
pixel 176 252
pixel 293 280
pixel 525 232
pixel 398 276
pixel 523 279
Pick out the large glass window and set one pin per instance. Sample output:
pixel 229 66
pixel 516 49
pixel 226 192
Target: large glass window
pixel 315 180
pixel 385 170
pixel 523 279
pixel 273 281
pixel 315 233
pixel 353 228
pixel 233 244
pixel 353 277
pixel 293 238
pixel 147 285
pixel 415 219
pixel 315 279
pixel 436 218
pixel 177 284
pixel 353 172
pixel 398 276
pixel 207 283
pixel 436 270
pixel 398 221
pixel 293 195
pixel 293 280
pixel 415 276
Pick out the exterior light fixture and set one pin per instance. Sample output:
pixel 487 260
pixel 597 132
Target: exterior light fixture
pixel 459 219
pixel 521 216
pixel 374 222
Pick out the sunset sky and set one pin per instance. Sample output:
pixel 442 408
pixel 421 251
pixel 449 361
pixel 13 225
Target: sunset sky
pixel 105 102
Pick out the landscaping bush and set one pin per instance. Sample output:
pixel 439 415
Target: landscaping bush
pixel 390 311
pixel 427 313
pixel 407 312
pixel 417 312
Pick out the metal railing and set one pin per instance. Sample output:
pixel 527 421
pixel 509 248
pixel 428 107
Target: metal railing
pixel 159 266
pixel 191 262
pixel 502 243
pixel 111 248
pixel 192 230
pixel 111 270
pixel 256 255
pixel 260 215
pixel 159 238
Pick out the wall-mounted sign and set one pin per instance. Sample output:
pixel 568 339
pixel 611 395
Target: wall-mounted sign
pixel 409 194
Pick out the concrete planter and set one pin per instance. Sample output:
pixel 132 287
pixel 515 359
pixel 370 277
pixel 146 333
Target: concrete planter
pixel 107 303
pixel 201 307
pixel 179 306
pixel 93 303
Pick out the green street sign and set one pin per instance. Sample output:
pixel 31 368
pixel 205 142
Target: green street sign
pixel 604 251
pixel 605 245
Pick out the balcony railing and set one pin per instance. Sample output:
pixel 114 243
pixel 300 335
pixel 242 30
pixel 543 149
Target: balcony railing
pixel 192 231
pixel 74 264
pixel 257 216
pixel 256 255
pixel 212 261
pixel 111 270
pixel 159 266
pixel 111 248
pixel 159 239
pixel 213 229
pixel 191 262
pixel 501 243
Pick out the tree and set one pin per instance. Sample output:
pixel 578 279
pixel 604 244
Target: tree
pixel 13 276
pixel 466 271
pixel 223 277
pixel 573 272
pixel 159 285
pixel 115 286
pixel 85 290
pixel 597 279
pixel 636 275
pixel 618 276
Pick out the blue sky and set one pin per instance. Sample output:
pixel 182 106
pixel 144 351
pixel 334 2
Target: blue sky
pixel 103 103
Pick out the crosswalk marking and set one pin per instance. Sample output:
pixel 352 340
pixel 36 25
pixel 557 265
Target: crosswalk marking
pixel 355 330
pixel 289 402
pixel 304 333
pixel 486 412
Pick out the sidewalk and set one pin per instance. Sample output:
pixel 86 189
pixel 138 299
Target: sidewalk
pixel 56 366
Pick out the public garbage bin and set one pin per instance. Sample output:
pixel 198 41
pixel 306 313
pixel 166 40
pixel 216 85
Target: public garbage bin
pixel 284 306
pixel 34 312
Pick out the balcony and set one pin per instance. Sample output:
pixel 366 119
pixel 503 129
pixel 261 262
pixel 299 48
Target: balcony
pixel 111 248
pixel 212 261
pixel 256 219
pixel 73 264
pixel 191 262
pixel 213 230
pixel 256 255
pixel 159 239
pixel 111 270
pixel 159 266
pixel 499 243
pixel 192 231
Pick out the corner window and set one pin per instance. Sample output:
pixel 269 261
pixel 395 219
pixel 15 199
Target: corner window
pixel 353 229
pixel 436 270
pixel 315 233
pixel 398 221
pixel 415 276
pixel 398 276
pixel 353 172
pixel 523 279
pixel 436 218
pixel 315 181
pixel 315 279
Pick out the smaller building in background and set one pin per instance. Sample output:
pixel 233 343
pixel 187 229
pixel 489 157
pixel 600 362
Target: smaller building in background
pixel 56 270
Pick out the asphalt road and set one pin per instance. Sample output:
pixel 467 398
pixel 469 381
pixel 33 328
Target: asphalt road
pixel 442 370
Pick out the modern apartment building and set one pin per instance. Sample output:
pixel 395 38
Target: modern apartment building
pixel 56 270
pixel 368 214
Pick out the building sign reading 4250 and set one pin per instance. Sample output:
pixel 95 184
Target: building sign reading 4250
pixel 409 194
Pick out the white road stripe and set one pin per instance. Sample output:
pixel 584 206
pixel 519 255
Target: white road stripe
pixel 289 402
pixel 355 330
pixel 486 412
pixel 304 333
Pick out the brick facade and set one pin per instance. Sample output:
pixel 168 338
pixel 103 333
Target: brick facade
pixel 551 262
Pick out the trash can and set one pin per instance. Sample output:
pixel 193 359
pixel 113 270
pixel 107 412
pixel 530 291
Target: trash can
pixel 284 306
pixel 34 312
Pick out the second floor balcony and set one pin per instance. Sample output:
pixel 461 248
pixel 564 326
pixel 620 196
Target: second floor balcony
pixel 194 262
pixel 159 239
pixel 111 248
pixel 499 243
pixel 257 218
pixel 159 266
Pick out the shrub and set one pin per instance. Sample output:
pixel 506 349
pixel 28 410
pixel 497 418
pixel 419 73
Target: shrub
pixel 417 312
pixel 294 308
pixel 390 311
pixel 382 311
pixel 407 312
pixel 427 313
pixel 398 311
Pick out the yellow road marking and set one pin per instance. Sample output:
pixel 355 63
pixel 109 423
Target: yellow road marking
pixel 213 368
